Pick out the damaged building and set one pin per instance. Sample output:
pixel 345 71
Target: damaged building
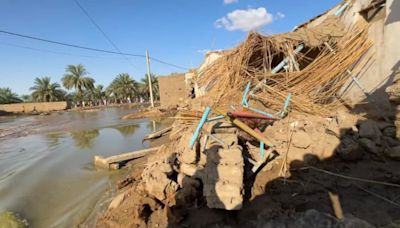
pixel 296 130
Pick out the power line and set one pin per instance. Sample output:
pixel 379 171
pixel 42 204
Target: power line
pixel 69 45
pixel 169 64
pixel 90 48
pixel 102 31
pixel 53 52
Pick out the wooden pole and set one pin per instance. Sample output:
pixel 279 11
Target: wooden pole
pixel 100 161
pixel 337 208
pixel 149 78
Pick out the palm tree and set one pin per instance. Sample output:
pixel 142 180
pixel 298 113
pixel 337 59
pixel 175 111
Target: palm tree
pixel 94 96
pixel 123 87
pixel 76 78
pixel 26 98
pixel 109 93
pixel 99 94
pixel 145 87
pixel 8 97
pixel 45 91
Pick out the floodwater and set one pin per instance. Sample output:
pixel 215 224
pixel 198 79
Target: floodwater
pixel 47 175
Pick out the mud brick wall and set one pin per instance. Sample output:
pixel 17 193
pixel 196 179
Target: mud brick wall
pixel 172 89
pixel 31 107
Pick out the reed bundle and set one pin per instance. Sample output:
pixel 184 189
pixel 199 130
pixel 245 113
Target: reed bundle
pixel 316 87
pixel 314 76
pixel 187 117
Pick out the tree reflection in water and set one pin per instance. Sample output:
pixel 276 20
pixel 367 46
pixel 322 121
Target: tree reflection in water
pixel 127 130
pixel 53 138
pixel 84 139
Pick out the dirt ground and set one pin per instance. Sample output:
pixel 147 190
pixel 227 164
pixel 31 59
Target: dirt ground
pixel 278 197
pixel 304 190
pixel 150 113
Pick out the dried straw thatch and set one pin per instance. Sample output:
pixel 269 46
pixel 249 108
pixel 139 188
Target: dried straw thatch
pixel 314 76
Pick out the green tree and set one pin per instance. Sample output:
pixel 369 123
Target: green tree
pixel 8 97
pixel 144 87
pixel 99 94
pixel 110 94
pixel 76 77
pixel 123 87
pixel 71 97
pixel 26 98
pixel 45 91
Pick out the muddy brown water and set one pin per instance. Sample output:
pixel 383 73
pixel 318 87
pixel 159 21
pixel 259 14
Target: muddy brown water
pixel 46 167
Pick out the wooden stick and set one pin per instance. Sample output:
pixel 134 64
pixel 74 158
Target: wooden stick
pixel 245 128
pixel 337 208
pixel 102 162
pixel 157 133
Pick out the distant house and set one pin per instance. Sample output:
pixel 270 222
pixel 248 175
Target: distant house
pixel 172 89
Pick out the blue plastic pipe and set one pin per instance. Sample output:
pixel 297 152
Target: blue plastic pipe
pixel 285 60
pixel 279 67
pixel 286 105
pixel 261 150
pixel 244 98
pixel 198 129
pixel 342 9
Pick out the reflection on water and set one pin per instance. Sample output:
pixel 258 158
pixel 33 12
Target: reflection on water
pixel 49 178
pixel 84 139
pixel 153 125
pixel 54 137
pixel 128 130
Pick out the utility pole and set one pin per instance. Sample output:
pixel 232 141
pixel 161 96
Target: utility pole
pixel 149 78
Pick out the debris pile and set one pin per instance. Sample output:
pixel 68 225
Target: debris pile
pixel 271 106
pixel 314 72
pixel 216 160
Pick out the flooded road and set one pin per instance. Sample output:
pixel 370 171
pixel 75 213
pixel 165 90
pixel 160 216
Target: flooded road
pixel 48 176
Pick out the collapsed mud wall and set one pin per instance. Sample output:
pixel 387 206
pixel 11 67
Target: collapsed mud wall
pixel 34 107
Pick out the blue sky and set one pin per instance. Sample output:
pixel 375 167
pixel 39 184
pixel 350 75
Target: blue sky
pixel 176 31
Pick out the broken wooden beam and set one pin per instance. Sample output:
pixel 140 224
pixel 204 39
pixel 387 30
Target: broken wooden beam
pixel 260 137
pixel 157 133
pixel 113 162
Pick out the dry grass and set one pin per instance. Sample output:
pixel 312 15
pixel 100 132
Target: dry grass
pixel 314 76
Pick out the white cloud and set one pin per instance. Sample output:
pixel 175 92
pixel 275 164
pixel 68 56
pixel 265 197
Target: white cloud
pixel 226 2
pixel 280 15
pixel 245 20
